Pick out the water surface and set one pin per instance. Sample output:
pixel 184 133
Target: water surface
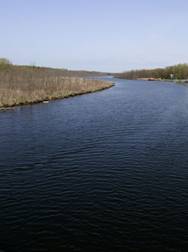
pixel 106 171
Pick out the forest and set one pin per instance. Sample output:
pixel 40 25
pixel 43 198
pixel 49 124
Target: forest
pixel 176 72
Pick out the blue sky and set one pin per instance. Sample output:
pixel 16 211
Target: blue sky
pixel 106 35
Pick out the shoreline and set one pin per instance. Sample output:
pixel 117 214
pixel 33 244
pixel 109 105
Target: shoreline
pixel 48 99
pixel 156 80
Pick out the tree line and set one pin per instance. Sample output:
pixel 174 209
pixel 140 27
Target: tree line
pixel 178 72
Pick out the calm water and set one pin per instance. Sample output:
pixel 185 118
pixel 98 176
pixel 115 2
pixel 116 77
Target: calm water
pixel 106 171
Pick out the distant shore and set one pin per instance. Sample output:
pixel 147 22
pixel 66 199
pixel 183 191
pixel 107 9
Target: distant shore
pixel 183 81
pixel 165 80
pixel 177 73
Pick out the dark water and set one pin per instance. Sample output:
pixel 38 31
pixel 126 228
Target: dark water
pixel 103 172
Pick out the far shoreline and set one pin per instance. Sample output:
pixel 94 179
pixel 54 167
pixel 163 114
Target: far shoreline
pixel 156 80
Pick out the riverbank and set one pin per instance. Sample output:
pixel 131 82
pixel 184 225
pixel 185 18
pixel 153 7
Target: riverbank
pixel 165 80
pixel 177 72
pixel 55 89
pixel 21 87
pixel 155 79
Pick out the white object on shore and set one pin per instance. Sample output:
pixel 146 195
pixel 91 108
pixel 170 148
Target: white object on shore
pixel 45 101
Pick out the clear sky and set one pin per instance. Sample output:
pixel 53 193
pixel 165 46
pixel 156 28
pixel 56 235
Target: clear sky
pixel 106 35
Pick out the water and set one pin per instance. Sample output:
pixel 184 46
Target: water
pixel 106 171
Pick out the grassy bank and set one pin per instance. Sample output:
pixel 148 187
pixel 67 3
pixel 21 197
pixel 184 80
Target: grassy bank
pixel 26 85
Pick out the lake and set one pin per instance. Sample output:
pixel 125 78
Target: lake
pixel 106 171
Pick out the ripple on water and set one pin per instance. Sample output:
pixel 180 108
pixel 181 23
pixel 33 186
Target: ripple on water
pixel 106 171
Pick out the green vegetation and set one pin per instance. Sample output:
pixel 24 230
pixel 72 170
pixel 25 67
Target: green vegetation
pixel 177 72
pixel 26 84
pixel 4 63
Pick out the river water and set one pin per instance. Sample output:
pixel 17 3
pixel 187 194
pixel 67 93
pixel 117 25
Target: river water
pixel 106 171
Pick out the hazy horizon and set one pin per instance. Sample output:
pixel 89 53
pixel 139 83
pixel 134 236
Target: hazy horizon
pixel 111 36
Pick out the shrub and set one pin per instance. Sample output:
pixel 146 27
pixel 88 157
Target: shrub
pixel 4 63
pixel 22 85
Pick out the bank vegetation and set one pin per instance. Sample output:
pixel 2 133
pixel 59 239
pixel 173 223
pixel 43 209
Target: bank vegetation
pixel 30 84
pixel 177 72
